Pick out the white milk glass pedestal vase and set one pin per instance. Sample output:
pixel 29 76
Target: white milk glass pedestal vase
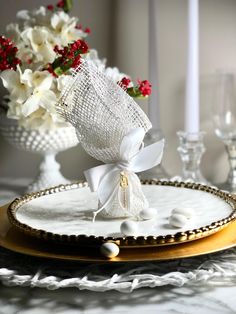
pixel 46 143
pixel 224 118
pixel 191 150
pixel 157 172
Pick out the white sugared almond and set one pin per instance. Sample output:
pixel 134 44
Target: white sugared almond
pixel 109 250
pixel 148 213
pixel 129 228
pixel 177 220
pixel 187 212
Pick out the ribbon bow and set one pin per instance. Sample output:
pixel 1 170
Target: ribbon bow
pixel 106 179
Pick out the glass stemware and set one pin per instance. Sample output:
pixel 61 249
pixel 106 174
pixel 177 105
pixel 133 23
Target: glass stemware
pixel 224 118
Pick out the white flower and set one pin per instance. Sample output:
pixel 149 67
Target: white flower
pixel 93 56
pixel 25 54
pixel 13 32
pixel 62 80
pixel 23 15
pixel 37 78
pixel 19 91
pixel 114 74
pixel 33 91
pixel 43 120
pixel 41 16
pixel 14 110
pixel 70 33
pixel 65 28
pixel 58 20
pixel 41 96
pixel 42 43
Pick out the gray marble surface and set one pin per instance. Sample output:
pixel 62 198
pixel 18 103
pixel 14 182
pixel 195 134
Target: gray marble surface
pixel 204 299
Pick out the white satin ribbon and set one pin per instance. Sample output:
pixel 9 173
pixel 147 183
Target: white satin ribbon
pixel 105 179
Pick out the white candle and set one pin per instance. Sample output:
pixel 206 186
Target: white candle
pixel 192 83
pixel 153 104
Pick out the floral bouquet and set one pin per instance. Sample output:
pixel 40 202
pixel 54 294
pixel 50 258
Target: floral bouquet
pixel 36 55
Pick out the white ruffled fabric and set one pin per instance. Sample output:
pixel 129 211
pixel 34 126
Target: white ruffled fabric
pixel 20 270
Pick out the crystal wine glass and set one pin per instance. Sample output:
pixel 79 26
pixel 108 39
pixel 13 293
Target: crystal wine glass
pixel 224 117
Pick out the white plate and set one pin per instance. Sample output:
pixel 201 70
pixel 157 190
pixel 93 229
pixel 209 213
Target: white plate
pixel 70 212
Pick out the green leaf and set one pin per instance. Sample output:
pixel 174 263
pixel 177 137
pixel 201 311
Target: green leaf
pixel 58 71
pixel 67 5
pixel 135 93
pixel 57 62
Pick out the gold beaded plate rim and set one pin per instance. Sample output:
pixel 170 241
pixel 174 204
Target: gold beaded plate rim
pixel 129 241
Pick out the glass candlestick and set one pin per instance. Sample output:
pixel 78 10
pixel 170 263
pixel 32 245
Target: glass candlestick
pixel 191 150
pixel 157 172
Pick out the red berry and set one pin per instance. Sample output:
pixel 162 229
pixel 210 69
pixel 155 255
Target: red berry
pixel 60 4
pixel 8 52
pixel 145 87
pixel 87 30
pixel 125 82
pixel 78 26
pixel 50 7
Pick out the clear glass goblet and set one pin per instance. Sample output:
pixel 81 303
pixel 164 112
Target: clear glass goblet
pixel 224 118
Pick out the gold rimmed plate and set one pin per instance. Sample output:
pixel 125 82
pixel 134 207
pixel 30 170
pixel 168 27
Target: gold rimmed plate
pixel 19 242
pixel 64 215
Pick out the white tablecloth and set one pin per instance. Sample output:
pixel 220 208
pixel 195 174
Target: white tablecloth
pixel 205 298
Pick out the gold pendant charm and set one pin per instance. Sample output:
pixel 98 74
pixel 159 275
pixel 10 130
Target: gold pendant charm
pixel 123 180
pixel 123 192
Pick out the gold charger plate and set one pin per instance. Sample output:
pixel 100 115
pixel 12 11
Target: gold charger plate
pixel 18 242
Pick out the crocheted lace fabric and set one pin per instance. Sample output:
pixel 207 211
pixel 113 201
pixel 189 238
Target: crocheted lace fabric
pixel 100 110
